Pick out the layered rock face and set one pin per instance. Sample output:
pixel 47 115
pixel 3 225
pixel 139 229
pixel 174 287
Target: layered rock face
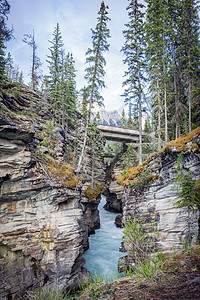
pixel 114 191
pixel 153 195
pixel 45 214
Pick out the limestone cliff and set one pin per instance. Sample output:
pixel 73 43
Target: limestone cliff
pixel 150 195
pixel 46 212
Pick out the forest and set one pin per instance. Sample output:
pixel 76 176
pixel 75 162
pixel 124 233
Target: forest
pixel 162 78
pixel 54 170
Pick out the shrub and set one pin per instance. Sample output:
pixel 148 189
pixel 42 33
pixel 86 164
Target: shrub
pixel 141 240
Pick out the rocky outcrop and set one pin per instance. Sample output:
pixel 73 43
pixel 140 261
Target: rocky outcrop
pixel 150 194
pixel 114 191
pixel 46 214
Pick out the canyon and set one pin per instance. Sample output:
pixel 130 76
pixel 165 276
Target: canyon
pixel 48 211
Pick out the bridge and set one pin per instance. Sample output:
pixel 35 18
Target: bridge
pixel 119 134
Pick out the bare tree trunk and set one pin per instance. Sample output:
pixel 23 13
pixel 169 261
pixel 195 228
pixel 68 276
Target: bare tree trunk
pixel 85 135
pixel 33 64
pixel 83 147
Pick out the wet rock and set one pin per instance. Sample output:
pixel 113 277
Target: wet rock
pixel 112 203
pixel 118 220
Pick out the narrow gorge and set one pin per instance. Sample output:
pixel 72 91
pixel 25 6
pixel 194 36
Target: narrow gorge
pixel 48 210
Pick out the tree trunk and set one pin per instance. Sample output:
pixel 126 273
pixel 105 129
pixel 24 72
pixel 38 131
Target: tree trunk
pixel 140 115
pixel 190 106
pixel 33 66
pixel 176 94
pixel 189 93
pixel 92 166
pixel 159 115
pixel 165 93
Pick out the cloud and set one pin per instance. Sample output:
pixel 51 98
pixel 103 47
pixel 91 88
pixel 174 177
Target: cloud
pixel 76 18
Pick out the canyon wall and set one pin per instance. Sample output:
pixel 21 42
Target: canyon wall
pixel 148 192
pixel 46 211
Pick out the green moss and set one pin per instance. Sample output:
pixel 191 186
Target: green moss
pixel 183 143
pixel 3 251
pixel 62 173
pixel 179 144
pixel 92 192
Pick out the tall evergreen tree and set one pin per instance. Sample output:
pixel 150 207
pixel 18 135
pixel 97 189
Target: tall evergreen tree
pixel 9 66
pixel 95 72
pixel 123 119
pixel 12 72
pixel 36 63
pixel 173 8
pixel 94 57
pixel 54 61
pixel 157 23
pixel 5 35
pixel 68 90
pixel 189 53
pixel 84 92
pixel 133 49
pixel 130 121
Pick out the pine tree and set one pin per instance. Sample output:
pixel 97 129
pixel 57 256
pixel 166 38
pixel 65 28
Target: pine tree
pixel 133 49
pixel 21 77
pixel 188 48
pixel 36 63
pixel 123 120
pixel 95 72
pixel 9 67
pixel 5 35
pixel 84 92
pixel 94 57
pixel 157 26
pixel 68 90
pixel 54 79
pixel 130 121
pixel 13 74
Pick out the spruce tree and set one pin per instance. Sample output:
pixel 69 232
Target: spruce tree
pixel 94 57
pixel 84 93
pixel 123 119
pixel 189 54
pixel 95 71
pixel 5 35
pixel 2 60
pixel 36 63
pixel 157 25
pixel 54 64
pixel 133 49
pixel 68 90
pixel 9 66
pixel 130 121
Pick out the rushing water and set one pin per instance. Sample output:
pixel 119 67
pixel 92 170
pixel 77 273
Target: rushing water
pixel 102 256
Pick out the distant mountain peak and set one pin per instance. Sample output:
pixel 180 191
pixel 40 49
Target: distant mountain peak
pixel 109 117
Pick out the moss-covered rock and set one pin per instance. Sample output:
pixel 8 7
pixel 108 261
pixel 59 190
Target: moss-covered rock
pixel 182 144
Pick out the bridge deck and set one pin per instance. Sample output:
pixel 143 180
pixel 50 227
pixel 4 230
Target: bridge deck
pixel 119 134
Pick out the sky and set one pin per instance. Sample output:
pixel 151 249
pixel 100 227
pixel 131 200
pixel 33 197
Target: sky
pixel 76 18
